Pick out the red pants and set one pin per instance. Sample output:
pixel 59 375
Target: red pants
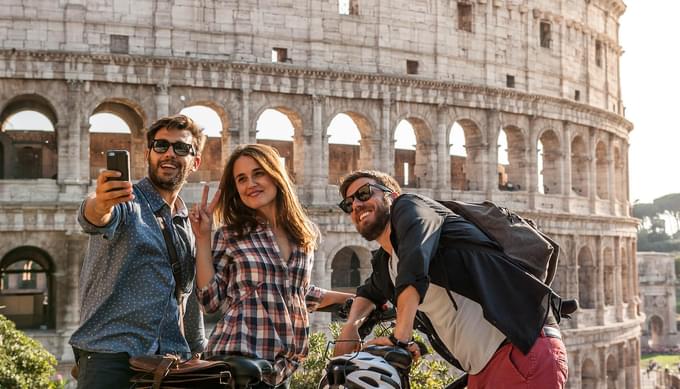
pixel 544 367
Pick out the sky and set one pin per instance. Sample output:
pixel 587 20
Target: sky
pixel 650 82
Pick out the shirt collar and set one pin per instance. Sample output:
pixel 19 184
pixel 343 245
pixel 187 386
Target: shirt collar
pixel 156 200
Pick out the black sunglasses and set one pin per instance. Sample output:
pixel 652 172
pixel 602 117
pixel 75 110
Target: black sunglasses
pixel 363 193
pixel 180 148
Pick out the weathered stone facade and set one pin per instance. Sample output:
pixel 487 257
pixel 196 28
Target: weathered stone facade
pixel 657 292
pixel 542 71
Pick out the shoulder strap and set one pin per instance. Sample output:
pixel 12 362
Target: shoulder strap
pixel 175 266
pixel 172 253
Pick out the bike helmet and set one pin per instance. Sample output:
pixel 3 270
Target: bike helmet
pixel 360 371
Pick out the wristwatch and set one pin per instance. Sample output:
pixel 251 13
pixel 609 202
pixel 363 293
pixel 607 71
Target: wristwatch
pixel 398 342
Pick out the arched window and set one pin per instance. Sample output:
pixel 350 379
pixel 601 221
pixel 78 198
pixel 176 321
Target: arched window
pixel 612 372
pixel 609 292
pixel 458 158
pixel 511 159
pixel 548 160
pixel 209 120
pixel 602 171
pixel 405 154
pixel 588 375
pixel 26 288
pixel 343 147
pixel 275 128
pixel 587 275
pixel 35 144
pixel 107 132
pixel 579 167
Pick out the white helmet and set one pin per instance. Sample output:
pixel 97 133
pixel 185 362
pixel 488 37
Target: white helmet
pixel 361 371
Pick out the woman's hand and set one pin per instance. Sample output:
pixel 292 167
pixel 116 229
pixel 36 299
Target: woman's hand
pixel 201 215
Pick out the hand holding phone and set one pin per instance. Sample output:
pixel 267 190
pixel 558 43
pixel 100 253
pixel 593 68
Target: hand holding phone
pixel 118 160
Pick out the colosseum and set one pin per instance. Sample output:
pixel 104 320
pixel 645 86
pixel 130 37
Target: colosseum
pixel 529 89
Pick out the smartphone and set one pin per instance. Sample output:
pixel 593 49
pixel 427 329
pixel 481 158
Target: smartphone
pixel 119 160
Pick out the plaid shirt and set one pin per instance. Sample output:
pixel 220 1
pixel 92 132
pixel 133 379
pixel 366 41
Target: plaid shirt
pixel 264 300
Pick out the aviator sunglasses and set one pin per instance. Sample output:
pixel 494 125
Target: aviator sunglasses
pixel 180 148
pixel 363 193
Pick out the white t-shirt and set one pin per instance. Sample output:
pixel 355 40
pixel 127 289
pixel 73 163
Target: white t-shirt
pixel 464 332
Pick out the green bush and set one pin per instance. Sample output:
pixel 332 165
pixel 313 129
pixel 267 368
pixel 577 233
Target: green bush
pixel 427 373
pixel 24 363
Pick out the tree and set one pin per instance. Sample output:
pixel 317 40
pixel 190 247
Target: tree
pixel 24 363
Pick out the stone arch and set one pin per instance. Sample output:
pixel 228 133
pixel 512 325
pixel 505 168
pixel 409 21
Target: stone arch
pixel 219 110
pixel 549 172
pixel 135 118
pixel 352 157
pixel 612 372
pixel 513 176
pixel 416 161
pixel 655 326
pixel 289 150
pixel 609 276
pixel 346 266
pixel 601 170
pixel 211 157
pixel 468 173
pixel 27 288
pixel 579 166
pixel 29 102
pixel 587 277
pixel 30 154
pixel 589 376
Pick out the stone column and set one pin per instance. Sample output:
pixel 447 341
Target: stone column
pixel 599 285
pixel 531 172
pixel 490 180
pixel 69 137
pixel 162 100
pixel 575 365
pixel 592 172
pixel 244 131
pixel 387 152
pixel 611 187
pixel 566 166
pixel 633 281
pixel 618 280
pixel 425 170
pixel 443 180
pixel 318 149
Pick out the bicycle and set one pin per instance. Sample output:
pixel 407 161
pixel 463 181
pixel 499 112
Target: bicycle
pixel 386 367
pixel 379 367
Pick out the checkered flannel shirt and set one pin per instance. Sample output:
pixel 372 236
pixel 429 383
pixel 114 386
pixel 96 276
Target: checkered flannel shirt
pixel 263 298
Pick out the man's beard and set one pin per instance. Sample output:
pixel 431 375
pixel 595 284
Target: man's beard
pixel 373 230
pixel 172 183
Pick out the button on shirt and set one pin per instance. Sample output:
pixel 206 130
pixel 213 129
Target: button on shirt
pixel 126 283
pixel 263 298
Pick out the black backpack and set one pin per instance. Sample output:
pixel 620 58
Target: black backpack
pixel 519 238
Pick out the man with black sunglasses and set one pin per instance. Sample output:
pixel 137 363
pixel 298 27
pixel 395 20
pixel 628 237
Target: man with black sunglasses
pixel 138 272
pixel 449 280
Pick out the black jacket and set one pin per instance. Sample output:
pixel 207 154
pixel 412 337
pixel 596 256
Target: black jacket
pixel 436 245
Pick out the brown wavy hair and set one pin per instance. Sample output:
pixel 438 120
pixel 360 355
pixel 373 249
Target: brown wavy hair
pixel 231 211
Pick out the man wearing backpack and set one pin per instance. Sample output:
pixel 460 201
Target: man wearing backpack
pixel 480 311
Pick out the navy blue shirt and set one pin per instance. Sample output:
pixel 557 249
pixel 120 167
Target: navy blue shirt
pixel 127 300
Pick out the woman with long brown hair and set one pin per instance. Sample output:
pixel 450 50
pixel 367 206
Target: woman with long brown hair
pixel 259 272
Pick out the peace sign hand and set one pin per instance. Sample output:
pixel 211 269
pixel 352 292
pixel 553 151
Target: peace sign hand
pixel 201 215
